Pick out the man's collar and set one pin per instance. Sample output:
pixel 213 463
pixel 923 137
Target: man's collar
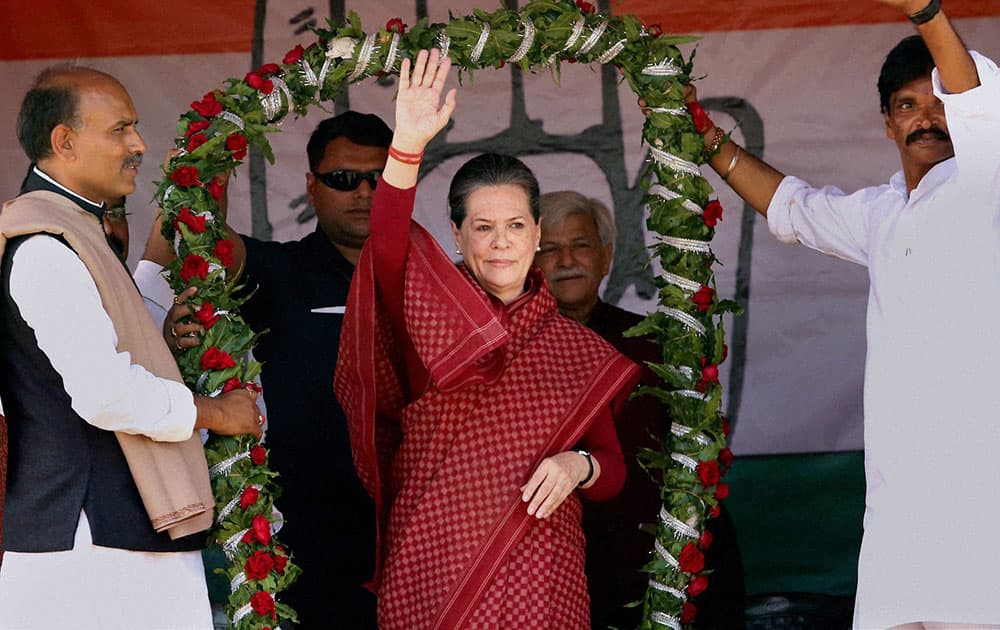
pixel 38 179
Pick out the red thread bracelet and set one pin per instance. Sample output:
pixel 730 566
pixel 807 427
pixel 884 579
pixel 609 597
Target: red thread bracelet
pixel 404 157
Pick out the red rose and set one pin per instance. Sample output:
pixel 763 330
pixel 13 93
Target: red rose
pixel 263 604
pixel 196 141
pixel 215 188
pixel 712 214
pixel 699 117
pixel 706 540
pixel 254 80
pixel 237 145
pixel 726 458
pixel 208 106
pixel 258 565
pixel 726 427
pixel 249 497
pixel 196 126
pixel 698 585
pixel 215 359
pixel 688 612
pixel 224 252
pixel 722 491
pixel 279 562
pixel 231 384
pixel 248 537
pixel 709 376
pixel 691 560
pixel 261 529
pixel 703 298
pixel 395 25
pixel 708 473
pixel 194 223
pixel 258 455
pixel 294 55
pixel 267 86
pixel 585 6
pixel 194 265
pixel 206 315
pixel 714 511
pixel 185 176
pixel 655 30
pixel 268 69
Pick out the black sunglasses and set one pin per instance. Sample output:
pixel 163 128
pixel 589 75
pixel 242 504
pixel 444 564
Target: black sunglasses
pixel 346 180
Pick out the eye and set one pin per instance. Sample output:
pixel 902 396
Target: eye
pixel 907 106
pixel 581 245
pixel 517 225
pixel 546 249
pixel 483 227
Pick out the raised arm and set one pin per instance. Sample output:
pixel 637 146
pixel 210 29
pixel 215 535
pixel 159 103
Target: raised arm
pixel 751 178
pixel 954 64
pixel 420 115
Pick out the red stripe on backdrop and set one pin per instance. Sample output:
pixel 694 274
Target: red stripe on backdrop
pixel 116 28
pixel 701 17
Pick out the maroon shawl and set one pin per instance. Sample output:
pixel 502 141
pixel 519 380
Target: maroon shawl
pixel 457 547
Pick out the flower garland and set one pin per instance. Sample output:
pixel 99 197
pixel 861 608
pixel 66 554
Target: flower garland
pixel 213 138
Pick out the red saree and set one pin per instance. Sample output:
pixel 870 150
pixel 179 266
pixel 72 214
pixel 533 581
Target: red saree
pixel 457 547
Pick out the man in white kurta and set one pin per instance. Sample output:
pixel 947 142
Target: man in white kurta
pixel 930 239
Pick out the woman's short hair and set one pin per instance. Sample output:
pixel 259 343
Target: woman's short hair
pixel 556 206
pixel 490 169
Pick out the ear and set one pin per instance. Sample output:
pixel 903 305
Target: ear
pixel 311 183
pixel 62 140
pixel 456 234
pixel 538 234
pixel 889 131
pixel 609 254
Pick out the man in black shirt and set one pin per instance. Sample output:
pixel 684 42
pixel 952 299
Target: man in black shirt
pixel 298 291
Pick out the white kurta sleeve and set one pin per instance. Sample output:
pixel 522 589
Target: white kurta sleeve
pixel 824 219
pixel 58 299
pixel 974 122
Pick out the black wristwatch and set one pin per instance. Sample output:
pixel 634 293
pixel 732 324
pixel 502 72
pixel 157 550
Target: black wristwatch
pixel 925 15
pixel 590 462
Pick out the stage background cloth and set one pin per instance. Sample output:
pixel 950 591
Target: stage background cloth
pixel 793 80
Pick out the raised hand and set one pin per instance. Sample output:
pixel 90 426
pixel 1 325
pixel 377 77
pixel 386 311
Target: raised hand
pixel 420 112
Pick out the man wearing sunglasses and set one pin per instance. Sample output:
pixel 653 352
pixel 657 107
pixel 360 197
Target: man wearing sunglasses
pixel 297 291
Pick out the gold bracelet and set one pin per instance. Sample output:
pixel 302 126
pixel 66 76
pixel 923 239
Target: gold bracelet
pixel 732 163
pixel 713 146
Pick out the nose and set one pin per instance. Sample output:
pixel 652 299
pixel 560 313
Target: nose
pixel 501 240
pixel 931 114
pixel 364 189
pixel 564 257
pixel 137 145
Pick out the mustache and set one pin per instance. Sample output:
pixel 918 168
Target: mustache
pixel 936 132
pixel 571 272
pixel 133 160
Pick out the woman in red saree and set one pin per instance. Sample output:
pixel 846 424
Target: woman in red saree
pixel 466 394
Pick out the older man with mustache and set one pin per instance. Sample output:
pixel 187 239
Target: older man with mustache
pixel 930 547
pixel 575 254
pixel 108 496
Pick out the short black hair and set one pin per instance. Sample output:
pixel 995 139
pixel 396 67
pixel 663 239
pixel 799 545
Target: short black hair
pixel 908 61
pixel 367 130
pixel 48 103
pixel 490 169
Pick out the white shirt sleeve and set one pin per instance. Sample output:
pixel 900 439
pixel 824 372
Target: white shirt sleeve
pixel 58 299
pixel 974 121
pixel 156 293
pixel 825 219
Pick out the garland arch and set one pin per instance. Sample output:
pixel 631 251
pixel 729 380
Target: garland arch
pixel 213 139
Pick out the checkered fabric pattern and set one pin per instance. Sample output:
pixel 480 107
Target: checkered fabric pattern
pixel 459 544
